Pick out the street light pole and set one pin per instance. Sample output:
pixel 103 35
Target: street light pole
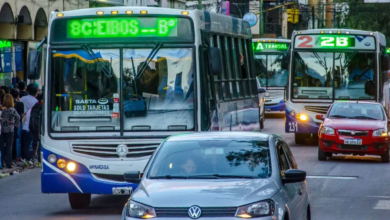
pixel 261 18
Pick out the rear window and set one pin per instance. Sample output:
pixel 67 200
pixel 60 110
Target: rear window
pixel 357 111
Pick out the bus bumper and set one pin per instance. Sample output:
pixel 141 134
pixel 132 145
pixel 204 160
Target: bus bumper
pixel 275 107
pixel 57 180
pixel 294 125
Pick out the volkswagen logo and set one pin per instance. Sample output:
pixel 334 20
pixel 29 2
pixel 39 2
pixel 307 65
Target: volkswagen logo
pixel 194 212
pixel 122 150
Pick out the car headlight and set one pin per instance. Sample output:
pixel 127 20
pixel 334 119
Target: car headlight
pixel 380 133
pixel 137 210
pixel 327 130
pixel 264 208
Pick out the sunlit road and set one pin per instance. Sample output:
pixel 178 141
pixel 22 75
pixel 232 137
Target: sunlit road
pixel 353 188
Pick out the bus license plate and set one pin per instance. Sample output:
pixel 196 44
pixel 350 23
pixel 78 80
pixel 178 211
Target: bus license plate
pixel 122 190
pixel 353 141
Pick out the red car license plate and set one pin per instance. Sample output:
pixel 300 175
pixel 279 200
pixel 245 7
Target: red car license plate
pixel 353 141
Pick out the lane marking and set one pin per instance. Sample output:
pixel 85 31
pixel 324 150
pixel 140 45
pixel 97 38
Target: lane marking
pixel 383 204
pixel 332 177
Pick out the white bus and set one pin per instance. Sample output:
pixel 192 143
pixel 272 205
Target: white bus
pixel 271 69
pixel 333 64
pixel 120 80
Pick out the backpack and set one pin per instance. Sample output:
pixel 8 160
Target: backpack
pixel 35 118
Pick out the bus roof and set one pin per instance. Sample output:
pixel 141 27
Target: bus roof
pixel 204 20
pixel 378 35
pixel 271 40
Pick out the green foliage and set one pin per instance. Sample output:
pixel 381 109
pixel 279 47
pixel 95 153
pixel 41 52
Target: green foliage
pixel 363 16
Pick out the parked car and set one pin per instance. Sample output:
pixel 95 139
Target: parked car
pixel 229 175
pixel 354 127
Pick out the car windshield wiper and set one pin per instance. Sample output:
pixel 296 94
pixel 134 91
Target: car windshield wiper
pixel 97 61
pixel 148 59
pixel 222 176
pixel 364 117
pixel 169 177
pixel 338 116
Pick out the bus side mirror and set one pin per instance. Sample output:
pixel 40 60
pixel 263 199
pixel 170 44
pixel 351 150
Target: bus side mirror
pixel 385 62
pixel 133 177
pixel 34 64
pixel 215 60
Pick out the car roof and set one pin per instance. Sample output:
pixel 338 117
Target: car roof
pixel 221 135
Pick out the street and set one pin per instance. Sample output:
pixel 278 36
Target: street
pixel 343 188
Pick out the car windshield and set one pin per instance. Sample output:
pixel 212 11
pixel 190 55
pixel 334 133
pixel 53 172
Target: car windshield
pixel 212 158
pixel 356 111
pixel 157 92
pixel 339 76
pixel 269 70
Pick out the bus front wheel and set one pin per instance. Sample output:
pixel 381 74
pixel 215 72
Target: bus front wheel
pixel 79 200
pixel 301 138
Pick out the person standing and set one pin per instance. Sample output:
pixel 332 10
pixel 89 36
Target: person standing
pixel 19 106
pixel 22 89
pixel 9 119
pixel 35 127
pixel 29 101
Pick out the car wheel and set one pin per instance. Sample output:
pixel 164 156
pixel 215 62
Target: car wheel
pixel 79 200
pixel 385 156
pixel 301 138
pixel 322 155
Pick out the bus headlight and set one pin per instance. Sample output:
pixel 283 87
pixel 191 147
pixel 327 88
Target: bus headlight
pixel 61 163
pixel 52 158
pixel 71 166
pixel 302 117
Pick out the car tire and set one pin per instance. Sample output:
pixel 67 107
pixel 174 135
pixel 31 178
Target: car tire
pixel 300 138
pixel 322 156
pixel 79 200
pixel 385 157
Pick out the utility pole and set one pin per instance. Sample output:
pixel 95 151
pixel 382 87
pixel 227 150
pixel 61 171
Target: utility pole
pixel 261 28
pixel 312 17
pixel 200 4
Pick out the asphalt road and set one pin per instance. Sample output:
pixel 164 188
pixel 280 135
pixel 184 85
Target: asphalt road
pixel 343 188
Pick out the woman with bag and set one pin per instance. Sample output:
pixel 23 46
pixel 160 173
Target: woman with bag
pixel 9 120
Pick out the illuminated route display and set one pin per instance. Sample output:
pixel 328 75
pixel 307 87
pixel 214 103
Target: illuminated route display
pixel 124 27
pixel 264 46
pixel 334 42
pixel 122 30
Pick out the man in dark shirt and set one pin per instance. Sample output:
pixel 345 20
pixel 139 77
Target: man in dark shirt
pixel 19 106
pixel 22 89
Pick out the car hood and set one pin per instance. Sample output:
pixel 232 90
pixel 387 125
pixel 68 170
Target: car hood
pixel 204 193
pixel 354 124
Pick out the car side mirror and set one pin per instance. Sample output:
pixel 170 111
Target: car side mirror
pixel 215 59
pixel 294 176
pixel 261 90
pixel 133 176
pixel 320 117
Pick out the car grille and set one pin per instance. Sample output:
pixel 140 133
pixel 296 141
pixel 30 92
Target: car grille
pixel 317 109
pixel 352 147
pixel 135 150
pixel 353 133
pixel 206 212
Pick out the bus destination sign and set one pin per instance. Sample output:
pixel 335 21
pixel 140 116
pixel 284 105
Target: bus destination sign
pixel 122 27
pixel 263 46
pixel 334 42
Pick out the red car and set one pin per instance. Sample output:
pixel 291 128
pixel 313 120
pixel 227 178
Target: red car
pixel 354 127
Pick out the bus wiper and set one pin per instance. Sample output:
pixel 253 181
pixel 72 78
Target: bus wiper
pixel 169 177
pixel 97 61
pixel 338 116
pixel 363 117
pixel 224 176
pixel 148 59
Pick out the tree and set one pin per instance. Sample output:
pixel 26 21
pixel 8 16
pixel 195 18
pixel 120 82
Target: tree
pixel 364 16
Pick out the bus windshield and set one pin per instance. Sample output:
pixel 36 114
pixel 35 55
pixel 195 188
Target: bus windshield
pixel 86 91
pixel 269 70
pixel 334 75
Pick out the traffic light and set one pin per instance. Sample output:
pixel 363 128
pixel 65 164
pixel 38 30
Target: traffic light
pixel 290 15
pixel 293 15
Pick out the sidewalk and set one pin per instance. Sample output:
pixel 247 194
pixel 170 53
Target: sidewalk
pixel 17 167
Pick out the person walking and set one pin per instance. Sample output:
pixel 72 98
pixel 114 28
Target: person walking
pixel 9 120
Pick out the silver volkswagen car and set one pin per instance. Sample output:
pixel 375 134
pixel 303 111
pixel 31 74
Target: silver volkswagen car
pixel 220 175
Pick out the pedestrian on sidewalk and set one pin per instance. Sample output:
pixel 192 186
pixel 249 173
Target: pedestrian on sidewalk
pixel 22 89
pixel 35 128
pixel 29 101
pixel 19 106
pixel 9 120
